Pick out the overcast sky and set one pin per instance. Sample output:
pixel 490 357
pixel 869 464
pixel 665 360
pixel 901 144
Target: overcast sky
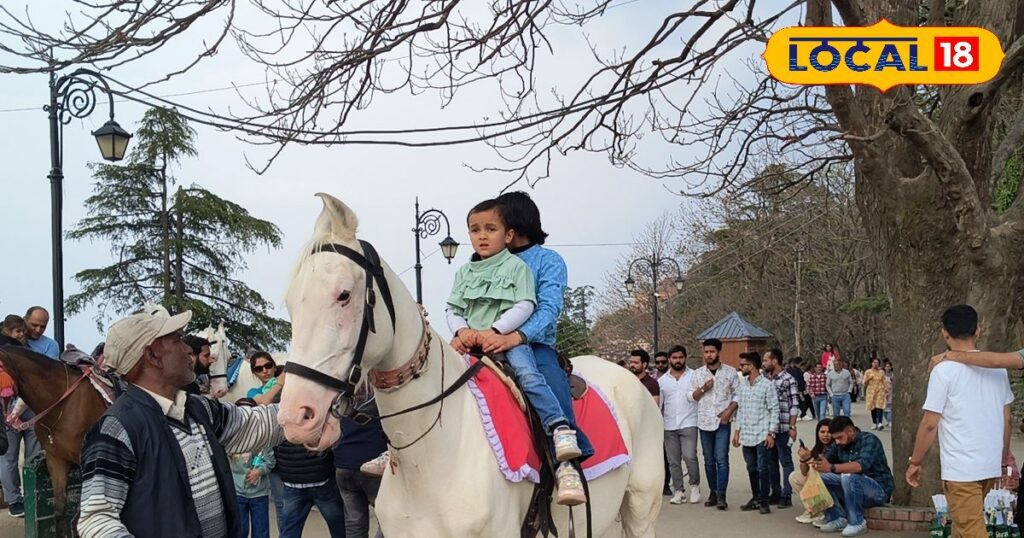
pixel 591 209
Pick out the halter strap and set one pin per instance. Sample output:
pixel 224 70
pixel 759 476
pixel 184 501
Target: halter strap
pixel 369 260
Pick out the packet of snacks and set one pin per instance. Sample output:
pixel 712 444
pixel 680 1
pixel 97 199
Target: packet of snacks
pixel 999 513
pixel 940 527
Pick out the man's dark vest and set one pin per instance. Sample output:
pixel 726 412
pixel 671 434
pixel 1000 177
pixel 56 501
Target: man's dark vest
pixel 160 500
pixel 296 465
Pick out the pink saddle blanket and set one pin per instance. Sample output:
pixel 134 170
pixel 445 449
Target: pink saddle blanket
pixel 509 434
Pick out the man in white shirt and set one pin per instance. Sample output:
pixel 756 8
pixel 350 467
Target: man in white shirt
pixel 969 407
pixel 716 391
pixel 680 425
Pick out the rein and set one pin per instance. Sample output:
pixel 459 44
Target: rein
pixel 71 388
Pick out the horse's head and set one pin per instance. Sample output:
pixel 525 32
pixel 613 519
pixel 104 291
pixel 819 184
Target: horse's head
pixel 219 350
pixel 326 299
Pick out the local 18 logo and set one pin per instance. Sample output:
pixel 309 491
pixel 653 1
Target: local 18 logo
pixel 883 55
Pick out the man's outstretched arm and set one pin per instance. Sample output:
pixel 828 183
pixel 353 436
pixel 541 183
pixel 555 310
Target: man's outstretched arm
pixel 1013 360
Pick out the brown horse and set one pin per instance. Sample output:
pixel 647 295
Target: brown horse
pixel 41 382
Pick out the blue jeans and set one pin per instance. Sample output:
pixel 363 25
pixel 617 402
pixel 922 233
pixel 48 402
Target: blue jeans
pixel 277 495
pixel 840 405
pixel 298 503
pixel 256 510
pixel 10 474
pixel 851 495
pixel 780 455
pixel 547 363
pixel 715 445
pixel 359 493
pixel 821 406
pixel 758 470
pixel 536 387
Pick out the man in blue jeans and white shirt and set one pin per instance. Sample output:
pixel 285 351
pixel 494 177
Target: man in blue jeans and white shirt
pixel 716 391
pixel 856 473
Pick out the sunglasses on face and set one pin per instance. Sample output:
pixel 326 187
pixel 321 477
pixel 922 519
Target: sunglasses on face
pixel 263 367
pixel 660 362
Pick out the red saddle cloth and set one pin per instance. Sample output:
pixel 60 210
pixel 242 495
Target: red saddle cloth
pixel 509 434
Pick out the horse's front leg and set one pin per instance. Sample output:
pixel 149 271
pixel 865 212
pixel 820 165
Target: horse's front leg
pixel 59 477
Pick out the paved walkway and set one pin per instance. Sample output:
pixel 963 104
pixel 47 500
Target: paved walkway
pixel 686 520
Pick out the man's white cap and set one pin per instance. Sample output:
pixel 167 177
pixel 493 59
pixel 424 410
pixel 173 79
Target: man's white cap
pixel 128 338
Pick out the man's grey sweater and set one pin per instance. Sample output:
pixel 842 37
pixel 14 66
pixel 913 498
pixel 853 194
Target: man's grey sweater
pixel 839 382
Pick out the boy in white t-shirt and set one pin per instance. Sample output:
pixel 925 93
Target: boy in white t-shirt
pixel 969 408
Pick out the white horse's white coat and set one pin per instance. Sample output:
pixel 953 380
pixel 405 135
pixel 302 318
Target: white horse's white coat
pixel 448 483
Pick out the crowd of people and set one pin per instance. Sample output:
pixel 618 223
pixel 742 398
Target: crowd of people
pixel 756 409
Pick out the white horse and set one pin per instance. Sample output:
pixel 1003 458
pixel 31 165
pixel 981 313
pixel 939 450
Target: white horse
pixel 219 346
pixel 447 483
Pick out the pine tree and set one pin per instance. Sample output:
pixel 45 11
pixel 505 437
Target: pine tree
pixel 573 329
pixel 175 245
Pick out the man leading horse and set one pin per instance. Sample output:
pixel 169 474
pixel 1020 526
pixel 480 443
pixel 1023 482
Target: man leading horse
pixel 159 450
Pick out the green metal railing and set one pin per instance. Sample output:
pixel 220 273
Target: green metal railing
pixel 39 504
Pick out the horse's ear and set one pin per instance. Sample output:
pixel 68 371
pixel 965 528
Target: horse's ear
pixel 336 218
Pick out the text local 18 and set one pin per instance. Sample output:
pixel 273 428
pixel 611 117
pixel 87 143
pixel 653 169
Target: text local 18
pixel 950 54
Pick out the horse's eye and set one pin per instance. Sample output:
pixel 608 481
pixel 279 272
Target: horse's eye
pixel 344 297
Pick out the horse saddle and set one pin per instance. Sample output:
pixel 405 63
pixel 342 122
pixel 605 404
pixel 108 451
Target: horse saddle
pixel 108 384
pixel 577 386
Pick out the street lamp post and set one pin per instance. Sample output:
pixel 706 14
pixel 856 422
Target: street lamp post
pixel 654 262
pixel 73 96
pixel 428 223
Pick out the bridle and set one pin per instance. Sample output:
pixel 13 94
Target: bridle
pixel 343 404
pixel 369 260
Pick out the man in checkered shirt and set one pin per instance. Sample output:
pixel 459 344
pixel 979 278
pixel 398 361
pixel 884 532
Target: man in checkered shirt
pixel 789 411
pixel 757 421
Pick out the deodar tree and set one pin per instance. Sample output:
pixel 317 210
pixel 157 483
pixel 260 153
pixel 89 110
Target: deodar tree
pixel 175 245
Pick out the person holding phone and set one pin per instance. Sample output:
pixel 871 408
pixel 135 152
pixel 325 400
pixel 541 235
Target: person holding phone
pixel 798 477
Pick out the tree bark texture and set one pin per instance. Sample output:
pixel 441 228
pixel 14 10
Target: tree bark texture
pixel 925 189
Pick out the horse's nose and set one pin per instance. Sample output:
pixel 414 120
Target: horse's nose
pixel 307 416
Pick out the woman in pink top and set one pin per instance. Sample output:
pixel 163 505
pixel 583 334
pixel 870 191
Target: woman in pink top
pixel 828 354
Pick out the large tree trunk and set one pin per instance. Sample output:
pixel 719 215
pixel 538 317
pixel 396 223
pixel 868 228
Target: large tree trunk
pixel 924 189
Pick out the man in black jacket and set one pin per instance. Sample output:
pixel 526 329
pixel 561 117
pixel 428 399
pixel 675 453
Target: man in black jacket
pixel 155 464
pixel 308 479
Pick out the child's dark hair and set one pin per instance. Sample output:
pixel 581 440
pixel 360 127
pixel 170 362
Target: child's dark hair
pixel 13 321
pixel 522 215
pixel 488 205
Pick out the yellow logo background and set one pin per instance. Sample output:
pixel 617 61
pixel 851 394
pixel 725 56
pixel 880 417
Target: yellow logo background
pixel 883 55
